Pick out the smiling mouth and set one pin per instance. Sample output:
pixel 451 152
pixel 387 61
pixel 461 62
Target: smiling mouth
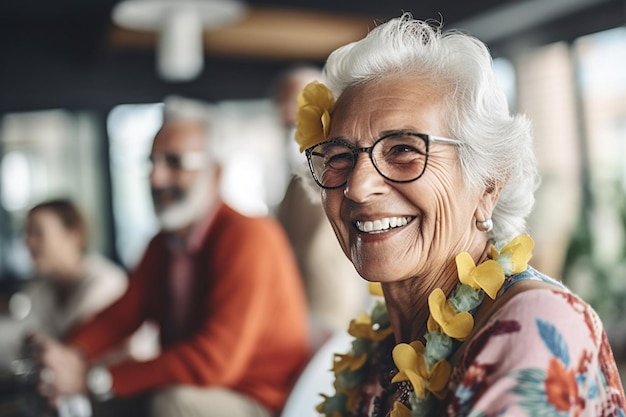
pixel 382 225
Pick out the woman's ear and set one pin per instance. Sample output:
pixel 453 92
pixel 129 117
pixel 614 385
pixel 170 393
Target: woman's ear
pixel 488 201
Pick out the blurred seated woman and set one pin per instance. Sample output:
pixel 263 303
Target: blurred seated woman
pixel 427 180
pixel 70 283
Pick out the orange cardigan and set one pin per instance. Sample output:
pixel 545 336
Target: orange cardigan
pixel 249 330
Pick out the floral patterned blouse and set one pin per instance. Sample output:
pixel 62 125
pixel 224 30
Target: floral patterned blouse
pixel 543 353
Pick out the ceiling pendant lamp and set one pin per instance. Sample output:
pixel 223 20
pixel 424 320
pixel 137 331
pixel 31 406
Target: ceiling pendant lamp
pixel 180 25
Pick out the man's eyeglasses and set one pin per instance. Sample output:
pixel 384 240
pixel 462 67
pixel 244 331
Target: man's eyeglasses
pixel 187 161
pixel 398 156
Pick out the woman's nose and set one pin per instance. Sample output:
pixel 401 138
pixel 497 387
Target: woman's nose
pixel 364 181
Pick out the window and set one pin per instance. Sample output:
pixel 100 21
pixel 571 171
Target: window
pixel 49 154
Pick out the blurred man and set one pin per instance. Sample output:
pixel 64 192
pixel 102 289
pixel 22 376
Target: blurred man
pixel 224 289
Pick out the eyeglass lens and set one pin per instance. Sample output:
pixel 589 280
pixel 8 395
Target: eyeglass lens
pixel 185 161
pixel 398 157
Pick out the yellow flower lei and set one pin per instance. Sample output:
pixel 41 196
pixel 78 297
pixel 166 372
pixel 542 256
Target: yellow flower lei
pixel 424 365
pixel 315 102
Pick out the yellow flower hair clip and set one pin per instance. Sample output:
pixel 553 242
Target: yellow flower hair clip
pixel 315 102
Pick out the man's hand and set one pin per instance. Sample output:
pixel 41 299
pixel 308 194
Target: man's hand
pixel 63 368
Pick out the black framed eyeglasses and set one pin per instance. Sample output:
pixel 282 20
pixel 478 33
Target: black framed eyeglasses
pixel 399 156
pixel 188 161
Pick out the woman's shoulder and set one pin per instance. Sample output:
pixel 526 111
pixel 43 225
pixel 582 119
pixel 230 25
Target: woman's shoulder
pixel 532 301
pixel 537 311
pixel 529 279
pixel 100 269
pixel 538 333
pixel 532 292
pixel 529 308
pixel 532 296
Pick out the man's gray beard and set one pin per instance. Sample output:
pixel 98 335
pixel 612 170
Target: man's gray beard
pixel 191 209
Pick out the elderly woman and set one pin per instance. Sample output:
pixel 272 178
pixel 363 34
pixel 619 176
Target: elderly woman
pixel 427 180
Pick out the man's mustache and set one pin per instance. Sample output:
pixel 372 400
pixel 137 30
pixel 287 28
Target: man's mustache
pixel 169 193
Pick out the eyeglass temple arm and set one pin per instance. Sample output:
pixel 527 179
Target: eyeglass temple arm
pixel 444 140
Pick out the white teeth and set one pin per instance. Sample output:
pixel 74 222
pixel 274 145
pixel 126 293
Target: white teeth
pixel 382 224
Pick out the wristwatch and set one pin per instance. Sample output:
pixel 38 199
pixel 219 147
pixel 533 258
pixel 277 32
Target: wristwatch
pixel 100 383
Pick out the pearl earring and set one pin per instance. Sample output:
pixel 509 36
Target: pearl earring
pixel 484 226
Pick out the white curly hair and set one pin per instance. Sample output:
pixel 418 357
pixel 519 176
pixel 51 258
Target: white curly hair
pixel 497 148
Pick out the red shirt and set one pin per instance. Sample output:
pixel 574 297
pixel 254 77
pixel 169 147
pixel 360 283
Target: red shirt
pixel 248 320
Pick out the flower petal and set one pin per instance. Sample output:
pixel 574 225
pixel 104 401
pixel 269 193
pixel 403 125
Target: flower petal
pixel 440 375
pixel 404 356
pixel 315 102
pixel 348 361
pixel 363 328
pixel 375 288
pixel 332 406
pixel 325 119
pixel 418 346
pixel 465 266
pixel 418 381
pixel 520 249
pixel 400 410
pixel 456 325
pixel 432 325
pixel 309 128
pixel 489 276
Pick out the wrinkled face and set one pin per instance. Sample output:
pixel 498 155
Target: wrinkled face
pixel 51 245
pixel 181 179
pixel 393 231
